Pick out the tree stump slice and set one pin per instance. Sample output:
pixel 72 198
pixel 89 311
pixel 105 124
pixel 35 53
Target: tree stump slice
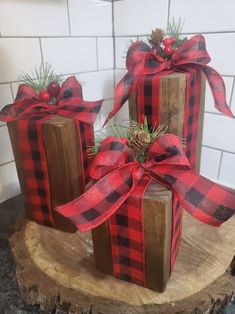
pixel 55 268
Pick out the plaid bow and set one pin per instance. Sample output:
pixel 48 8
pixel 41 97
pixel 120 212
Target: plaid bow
pixel 145 68
pixel 30 114
pixel 118 195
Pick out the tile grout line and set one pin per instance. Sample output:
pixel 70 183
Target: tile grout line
pixel 113 35
pixel 114 49
pixel 40 44
pixel 231 96
pixel 184 33
pixel 7 163
pixel 219 149
pixel 219 168
pixel 12 93
pixel 68 14
pixel 97 54
pixel 66 74
pixel 168 12
pixel 55 36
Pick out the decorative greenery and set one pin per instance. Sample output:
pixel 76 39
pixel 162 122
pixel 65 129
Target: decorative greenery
pixel 39 78
pixel 174 29
pixel 139 136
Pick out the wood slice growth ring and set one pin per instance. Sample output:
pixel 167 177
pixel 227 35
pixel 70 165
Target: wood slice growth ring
pixel 56 267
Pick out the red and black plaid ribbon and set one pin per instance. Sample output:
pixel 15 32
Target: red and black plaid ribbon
pixel 145 68
pixel 118 195
pixel 30 114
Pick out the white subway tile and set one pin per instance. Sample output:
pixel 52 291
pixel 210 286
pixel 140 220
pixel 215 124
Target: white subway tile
pixel 119 75
pixel 97 124
pixel 9 184
pixel 15 88
pixel 217 47
pixel 97 85
pixel 138 17
pixel 6 154
pixel 227 170
pixel 204 16
pixel 33 18
pixel 210 159
pixel 121 46
pixel 17 55
pixel 122 117
pixel 5 97
pixel 105 53
pixel 70 55
pixel 106 108
pixel 219 132
pixel 90 17
pixel 233 102
pixel 209 101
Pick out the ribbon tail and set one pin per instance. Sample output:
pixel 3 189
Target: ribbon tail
pixel 104 198
pixel 205 200
pixel 128 84
pixel 218 90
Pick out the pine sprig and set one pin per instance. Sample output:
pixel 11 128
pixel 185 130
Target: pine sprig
pixel 153 132
pixel 174 29
pixel 115 130
pixel 40 77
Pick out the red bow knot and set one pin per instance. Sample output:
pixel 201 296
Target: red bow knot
pixel 119 175
pixel 142 61
pixel 69 103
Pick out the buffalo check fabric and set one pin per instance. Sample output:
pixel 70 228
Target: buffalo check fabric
pixel 118 194
pixel 30 114
pixel 145 68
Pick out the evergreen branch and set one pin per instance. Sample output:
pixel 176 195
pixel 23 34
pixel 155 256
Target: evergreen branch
pixel 39 77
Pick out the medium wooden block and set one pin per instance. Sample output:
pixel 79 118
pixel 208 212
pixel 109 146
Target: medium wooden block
pixel 157 220
pixel 63 161
pixel 172 106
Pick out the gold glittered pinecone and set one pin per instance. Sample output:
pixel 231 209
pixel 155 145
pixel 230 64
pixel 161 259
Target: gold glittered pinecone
pixel 140 140
pixel 156 37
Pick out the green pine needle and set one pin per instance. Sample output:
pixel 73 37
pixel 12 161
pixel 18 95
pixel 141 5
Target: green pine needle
pixel 115 130
pixel 40 77
pixel 174 29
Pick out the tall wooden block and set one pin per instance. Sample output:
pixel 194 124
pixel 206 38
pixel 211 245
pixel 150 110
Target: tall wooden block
pixel 172 107
pixel 157 220
pixel 64 166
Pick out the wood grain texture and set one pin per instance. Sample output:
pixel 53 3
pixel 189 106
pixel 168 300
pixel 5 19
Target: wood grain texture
pixel 64 166
pixel 172 105
pixel 157 212
pixel 54 266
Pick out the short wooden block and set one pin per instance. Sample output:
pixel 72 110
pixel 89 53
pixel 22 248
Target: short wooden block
pixel 157 219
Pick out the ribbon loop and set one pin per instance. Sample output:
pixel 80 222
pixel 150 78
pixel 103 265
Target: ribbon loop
pixel 167 163
pixel 69 103
pixel 141 61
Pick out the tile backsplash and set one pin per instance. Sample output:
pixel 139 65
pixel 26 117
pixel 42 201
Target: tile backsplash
pixel 89 38
pixel 75 36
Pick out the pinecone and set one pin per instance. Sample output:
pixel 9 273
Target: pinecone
pixel 156 37
pixel 140 140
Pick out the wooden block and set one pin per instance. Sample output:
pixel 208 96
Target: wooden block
pixel 157 211
pixel 172 105
pixel 64 166
pixel 157 218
